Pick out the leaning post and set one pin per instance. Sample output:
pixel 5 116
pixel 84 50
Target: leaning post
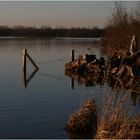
pixel 31 60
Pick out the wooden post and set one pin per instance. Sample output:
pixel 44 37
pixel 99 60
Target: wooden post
pixel 72 55
pixel 24 59
pixel 24 51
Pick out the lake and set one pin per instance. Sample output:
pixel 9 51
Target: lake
pixel 42 109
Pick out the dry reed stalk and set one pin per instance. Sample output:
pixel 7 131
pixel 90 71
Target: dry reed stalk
pixel 114 120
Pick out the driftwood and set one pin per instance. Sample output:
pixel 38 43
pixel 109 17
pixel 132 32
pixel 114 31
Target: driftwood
pixel 129 63
pixel 125 69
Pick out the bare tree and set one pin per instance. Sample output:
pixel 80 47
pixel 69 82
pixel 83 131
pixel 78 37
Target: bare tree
pixel 119 22
pixel 119 30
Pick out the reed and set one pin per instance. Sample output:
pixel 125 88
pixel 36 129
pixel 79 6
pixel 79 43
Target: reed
pixel 116 118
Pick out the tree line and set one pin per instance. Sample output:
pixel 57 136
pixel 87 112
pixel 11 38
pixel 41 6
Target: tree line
pixel 44 31
pixel 122 25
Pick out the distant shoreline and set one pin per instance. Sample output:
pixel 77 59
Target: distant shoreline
pixel 61 38
pixel 48 32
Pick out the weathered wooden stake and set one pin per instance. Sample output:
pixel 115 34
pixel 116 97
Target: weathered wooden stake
pixel 24 59
pixel 24 51
pixel 73 55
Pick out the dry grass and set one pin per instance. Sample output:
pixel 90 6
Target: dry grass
pixel 116 119
pixel 117 127
pixel 113 119
pixel 84 120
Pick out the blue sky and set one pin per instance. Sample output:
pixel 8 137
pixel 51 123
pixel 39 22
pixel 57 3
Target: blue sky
pixel 58 13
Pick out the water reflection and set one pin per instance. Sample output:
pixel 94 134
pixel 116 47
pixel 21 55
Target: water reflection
pixel 86 80
pixel 80 135
pixel 43 112
pixel 26 79
pixel 131 85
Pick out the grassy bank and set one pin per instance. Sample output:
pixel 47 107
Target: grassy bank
pixel 113 118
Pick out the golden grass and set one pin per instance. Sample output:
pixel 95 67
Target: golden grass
pixel 115 121
pixel 83 120
pixel 117 127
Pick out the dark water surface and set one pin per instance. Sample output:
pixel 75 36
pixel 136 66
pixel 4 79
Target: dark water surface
pixel 43 108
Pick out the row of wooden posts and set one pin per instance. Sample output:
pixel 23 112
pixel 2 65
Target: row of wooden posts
pixel 26 80
pixel 26 55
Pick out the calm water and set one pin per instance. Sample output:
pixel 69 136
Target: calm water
pixel 43 108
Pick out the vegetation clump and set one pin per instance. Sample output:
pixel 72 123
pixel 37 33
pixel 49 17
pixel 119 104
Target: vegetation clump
pixel 84 120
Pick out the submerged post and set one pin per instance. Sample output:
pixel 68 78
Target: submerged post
pixel 72 55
